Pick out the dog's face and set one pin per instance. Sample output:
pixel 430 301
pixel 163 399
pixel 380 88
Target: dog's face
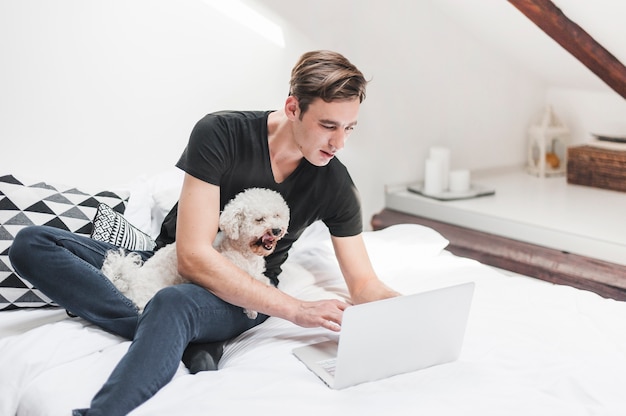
pixel 257 219
pixel 273 228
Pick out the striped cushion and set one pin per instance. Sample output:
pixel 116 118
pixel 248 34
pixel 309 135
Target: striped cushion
pixel 111 227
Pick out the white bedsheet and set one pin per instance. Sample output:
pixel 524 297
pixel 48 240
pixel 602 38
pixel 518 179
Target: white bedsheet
pixel 531 348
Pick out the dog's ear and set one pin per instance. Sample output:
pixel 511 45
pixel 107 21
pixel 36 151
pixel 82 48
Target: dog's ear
pixel 230 218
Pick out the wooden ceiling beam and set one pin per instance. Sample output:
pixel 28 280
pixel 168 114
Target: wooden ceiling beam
pixel 576 41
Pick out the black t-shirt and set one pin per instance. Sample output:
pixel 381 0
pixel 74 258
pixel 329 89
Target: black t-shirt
pixel 230 150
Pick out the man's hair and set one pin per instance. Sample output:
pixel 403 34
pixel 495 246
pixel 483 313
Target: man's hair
pixel 327 75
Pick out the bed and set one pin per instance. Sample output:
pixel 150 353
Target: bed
pixel 531 347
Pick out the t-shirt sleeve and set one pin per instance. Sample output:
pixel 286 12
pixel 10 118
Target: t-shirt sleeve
pixel 206 156
pixel 344 217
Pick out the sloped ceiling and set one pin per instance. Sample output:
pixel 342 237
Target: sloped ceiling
pixel 574 39
pixel 500 25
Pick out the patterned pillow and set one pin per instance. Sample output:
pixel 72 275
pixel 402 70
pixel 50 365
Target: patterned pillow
pixel 42 204
pixel 111 227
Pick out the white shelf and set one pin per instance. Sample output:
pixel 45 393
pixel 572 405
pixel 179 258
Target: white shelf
pixel 547 212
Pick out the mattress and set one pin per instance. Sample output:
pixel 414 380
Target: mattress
pixel 530 347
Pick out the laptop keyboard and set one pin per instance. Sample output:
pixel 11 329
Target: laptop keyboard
pixel 328 365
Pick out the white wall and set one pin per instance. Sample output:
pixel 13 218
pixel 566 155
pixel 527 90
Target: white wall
pixel 433 83
pixel 101 91
pixel 588 112
pixel 580 99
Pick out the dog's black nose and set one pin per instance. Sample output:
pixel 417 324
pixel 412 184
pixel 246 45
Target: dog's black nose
pixel 276 231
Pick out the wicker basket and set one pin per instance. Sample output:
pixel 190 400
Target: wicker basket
pixel 597 167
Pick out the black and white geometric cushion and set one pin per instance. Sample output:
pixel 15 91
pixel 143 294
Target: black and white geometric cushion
pixel 41 203
pixel 111 227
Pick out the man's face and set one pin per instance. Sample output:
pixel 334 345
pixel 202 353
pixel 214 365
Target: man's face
pixel 324 128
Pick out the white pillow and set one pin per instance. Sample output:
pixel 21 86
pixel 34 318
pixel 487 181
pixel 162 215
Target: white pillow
pixel 165 190
pixel 390 250
pixel 404 240
pixel 139 207
pixel 412 240
pixel 163 202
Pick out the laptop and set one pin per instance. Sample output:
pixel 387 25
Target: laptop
pixel 392 336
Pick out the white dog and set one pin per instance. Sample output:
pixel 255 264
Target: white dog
pixel 250 226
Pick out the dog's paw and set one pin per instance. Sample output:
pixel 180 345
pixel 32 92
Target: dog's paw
pixel 117 264
pixel 251 314
pixel 121 285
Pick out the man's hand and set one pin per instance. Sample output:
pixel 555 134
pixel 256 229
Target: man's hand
pixel 322 313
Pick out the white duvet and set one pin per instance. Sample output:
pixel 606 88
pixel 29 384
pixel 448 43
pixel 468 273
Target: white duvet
pixel 531 348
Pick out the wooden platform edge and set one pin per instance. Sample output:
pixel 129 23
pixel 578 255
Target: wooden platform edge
pixel 604 278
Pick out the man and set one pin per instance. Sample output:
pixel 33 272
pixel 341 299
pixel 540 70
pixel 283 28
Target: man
pixel 291 151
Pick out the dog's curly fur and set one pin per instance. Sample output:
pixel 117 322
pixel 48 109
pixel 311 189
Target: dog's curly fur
pixel 250 226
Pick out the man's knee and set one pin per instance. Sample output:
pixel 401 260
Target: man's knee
pixel 186 304
pixel 22 246
pixel 176 297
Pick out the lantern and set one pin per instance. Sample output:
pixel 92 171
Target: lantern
pixel 547 146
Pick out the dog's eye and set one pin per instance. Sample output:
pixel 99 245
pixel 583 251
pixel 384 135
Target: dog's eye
pixel 260 219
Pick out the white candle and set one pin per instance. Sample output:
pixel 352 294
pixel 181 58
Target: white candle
pixel 442 154
pixel 433 177
pixel 459 180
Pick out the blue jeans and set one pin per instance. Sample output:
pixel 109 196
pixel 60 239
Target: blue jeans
pixel 66 267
